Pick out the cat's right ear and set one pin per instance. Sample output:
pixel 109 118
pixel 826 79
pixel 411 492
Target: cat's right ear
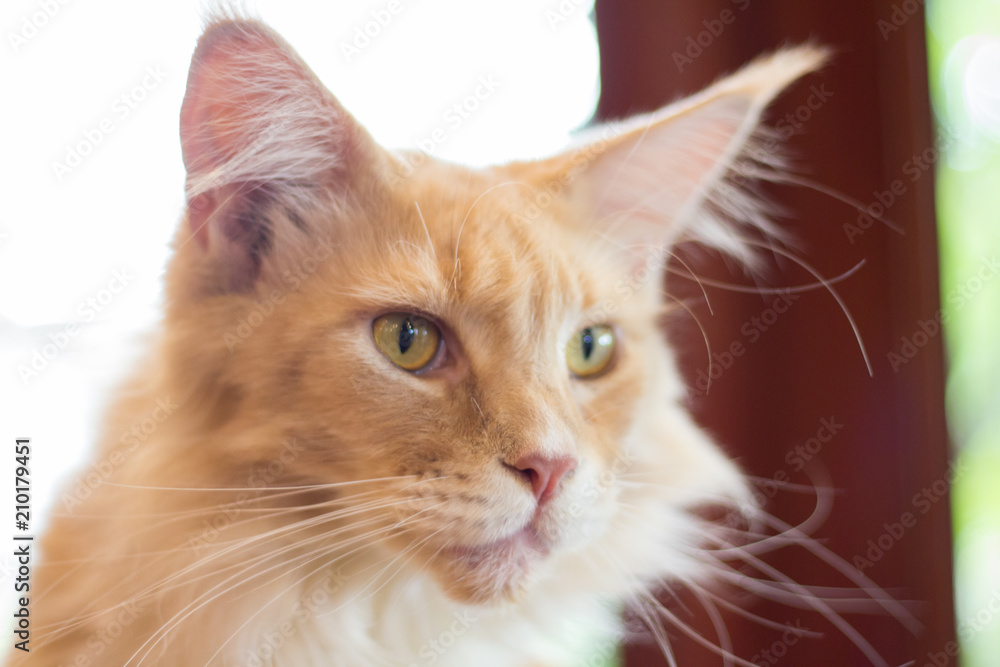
pixel 263 143
pixel 680 172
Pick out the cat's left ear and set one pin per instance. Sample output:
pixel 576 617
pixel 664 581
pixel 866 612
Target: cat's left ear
pixel 263 143
pixel 658 176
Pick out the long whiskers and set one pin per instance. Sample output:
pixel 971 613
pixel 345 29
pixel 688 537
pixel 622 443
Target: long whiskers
pixel 239 545
pixel 298 582
pixel 237 579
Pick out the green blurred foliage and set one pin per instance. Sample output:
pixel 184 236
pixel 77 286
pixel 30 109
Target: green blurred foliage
pixel 968 207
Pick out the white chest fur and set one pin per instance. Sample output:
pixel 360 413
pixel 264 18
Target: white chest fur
pixel 336 621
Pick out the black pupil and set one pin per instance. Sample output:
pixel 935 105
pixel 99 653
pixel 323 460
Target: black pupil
pixel 406 336
pixel 588 343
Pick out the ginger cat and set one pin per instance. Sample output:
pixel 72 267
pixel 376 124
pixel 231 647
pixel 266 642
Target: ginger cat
pixel 399 411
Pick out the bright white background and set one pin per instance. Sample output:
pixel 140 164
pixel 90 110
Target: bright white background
pixel 63 71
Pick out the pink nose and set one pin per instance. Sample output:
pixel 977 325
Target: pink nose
pixel 544 473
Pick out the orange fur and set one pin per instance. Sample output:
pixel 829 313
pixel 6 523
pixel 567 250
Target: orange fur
pixel 298 458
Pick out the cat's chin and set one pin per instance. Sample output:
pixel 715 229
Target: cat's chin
pixel 494 572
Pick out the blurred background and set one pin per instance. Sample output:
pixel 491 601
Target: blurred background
pixel 904 125
pixel 963 40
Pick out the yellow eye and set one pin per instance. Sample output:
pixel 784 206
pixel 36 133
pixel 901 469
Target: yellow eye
pixel 591 350
pixel 409 341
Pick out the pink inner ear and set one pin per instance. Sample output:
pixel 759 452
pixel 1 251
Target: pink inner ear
pixel 203 145
pixel 259 133
pixel 212 115
pixel 244 85
pixel 654 172
pixel 253 112
pixel 200 211
pixel 220 99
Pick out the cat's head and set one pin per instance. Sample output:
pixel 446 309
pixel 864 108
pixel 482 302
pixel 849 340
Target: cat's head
pixel 467 368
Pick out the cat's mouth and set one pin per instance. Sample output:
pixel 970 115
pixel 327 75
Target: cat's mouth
pixel 515 549
pixel 499 569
